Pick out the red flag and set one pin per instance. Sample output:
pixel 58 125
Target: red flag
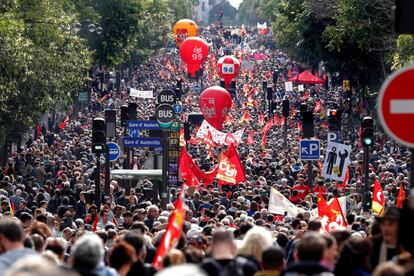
pixel 299 126
pixel 230 168
pixel 343 185
pixel 401 196
pixel 245 118
pixel 378 201
pixel 293 111
pixel 250 138
pixel 62 125
pixel 208 140
pixel 327 217
pixel 95 223
pixel 264 140
pixel 188 169
pixel 173 231
pixel 268 126
pixel 12 207
pixel 337 210
pixel 318 106
pixel 261 119
pixel 38 130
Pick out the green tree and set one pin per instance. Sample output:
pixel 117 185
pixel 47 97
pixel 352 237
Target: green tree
pixel 229 13
pixel 248 12
pixel 42 63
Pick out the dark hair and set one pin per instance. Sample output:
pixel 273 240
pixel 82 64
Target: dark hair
pixel 55 246
pixel 136 240
pixel 311 247
pixel 24 216
pixel 272 258
pixel 121 254
pixel 38 241
pixel 314 225
pixel 354 255
pixel 11 229
pixel 245 227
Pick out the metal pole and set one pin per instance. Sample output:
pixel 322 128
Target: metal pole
pixel 125 166
pixel 98 181
pixel 310 175
pixel 366 197
pixel 107 174
pixel 285 132
pixel 164 184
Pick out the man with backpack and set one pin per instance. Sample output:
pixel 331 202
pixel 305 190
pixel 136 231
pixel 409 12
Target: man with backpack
pixel 223 261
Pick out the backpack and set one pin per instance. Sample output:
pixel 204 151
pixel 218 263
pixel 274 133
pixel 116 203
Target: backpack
pixel 234 268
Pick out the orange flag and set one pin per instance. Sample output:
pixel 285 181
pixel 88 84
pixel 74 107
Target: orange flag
pixel 401 196
pixel 378 200
pixel 173 231
pixel 346 180
pixel 230 168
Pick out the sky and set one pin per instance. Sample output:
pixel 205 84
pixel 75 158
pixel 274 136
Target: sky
pixel 235 3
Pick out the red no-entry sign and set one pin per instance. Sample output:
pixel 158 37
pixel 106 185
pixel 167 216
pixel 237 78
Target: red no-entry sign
pixel 396 106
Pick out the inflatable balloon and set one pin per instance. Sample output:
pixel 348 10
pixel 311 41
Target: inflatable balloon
pixel 228 69
pixel 184 29
pixel 215 102
pixel 194 52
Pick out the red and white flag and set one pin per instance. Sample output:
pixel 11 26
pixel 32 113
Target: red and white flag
pixel 250 138
pixel 173 231
pixel 63 124
pixel 378 201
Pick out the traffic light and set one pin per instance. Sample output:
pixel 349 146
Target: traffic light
pixel 275 76
pixel 367 131
pixel 286 108
pixel 124 115
pixel 132 111
pixel 98 135
pixel 307 124
pixel 303 107
pixel 335 117
pixel 110 119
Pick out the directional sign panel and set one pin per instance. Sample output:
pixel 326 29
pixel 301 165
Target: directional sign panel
pixel 309 149
pixel 133 142
pixel 151 125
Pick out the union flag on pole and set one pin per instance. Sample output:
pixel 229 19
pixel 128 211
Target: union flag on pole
pixel 173 231
pixel 230 168
pixel 326 215
pixel 401 196
pixel 62 125
pixel 378 201
pixel 337 210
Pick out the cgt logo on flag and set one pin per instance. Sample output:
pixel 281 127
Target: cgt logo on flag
pixel 227 171
pixel 208 107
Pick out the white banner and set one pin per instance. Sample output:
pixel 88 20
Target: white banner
pixel 279 204
pixel 288 86
pixel 145 94
pixel 336 161
pixel 301 88
pixel 218 136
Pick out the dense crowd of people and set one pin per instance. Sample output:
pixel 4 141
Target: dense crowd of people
pixel 50 224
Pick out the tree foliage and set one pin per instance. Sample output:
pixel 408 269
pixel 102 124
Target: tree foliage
pixel 42 63
pixel 248 13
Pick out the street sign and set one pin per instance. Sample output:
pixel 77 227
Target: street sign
pixel 336 161
pixel 83 97
pixel 166 97
pixel 114 151
pixel 309 149
pixel 164 115
pixel 396 106
pixel 197 89
pixel 151 125
pixel 178 108
pixel 133 132
pixel 333 137
pixel 141 142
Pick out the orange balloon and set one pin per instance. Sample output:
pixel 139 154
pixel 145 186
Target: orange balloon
pixel 183 29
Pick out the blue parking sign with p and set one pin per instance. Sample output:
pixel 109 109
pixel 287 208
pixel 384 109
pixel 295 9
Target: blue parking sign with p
pixel 309 150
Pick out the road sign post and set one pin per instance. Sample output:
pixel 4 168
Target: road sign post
pixel 309 149
pixel 396 109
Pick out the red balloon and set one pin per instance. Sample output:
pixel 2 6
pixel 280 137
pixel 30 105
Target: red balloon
pixel 228 68
pixel 215 102
pixel 194 52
